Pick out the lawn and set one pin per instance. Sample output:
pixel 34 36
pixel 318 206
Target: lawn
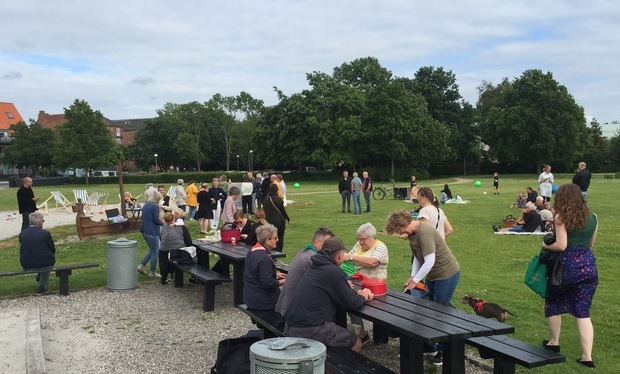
pixel 492 266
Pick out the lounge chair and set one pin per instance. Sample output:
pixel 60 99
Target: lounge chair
pixel 61 200
pixel 93 201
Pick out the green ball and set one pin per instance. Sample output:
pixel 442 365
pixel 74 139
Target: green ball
pixel 477 183
pixel 296 185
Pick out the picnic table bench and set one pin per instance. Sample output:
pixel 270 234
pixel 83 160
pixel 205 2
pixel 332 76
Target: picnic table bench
pixel 339 360
pixel 507 351
pixel 208 279
pixel 62 272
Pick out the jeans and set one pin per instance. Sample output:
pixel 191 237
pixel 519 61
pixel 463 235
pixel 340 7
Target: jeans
pixel 585 195
pixel 517 228
pixel 357 203
pixel 192 211
pixel 25 220
pixel 153 254
pixel 367 198
pixel 346 200
pixel 43 280
pixel 443 290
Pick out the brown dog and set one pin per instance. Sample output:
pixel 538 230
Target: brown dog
pixel 487 310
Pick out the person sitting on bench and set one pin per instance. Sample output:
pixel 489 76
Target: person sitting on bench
pixel 37 250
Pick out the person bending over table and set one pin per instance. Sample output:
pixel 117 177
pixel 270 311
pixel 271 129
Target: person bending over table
pixel 261 280
pixel 432 259
pixel 300 264
pixel 322 290
pixel 243 224
pixel 259 216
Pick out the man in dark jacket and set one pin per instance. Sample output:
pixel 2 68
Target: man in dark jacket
pixel 344 188
pixel 26 201
pixel 264 186
pixel 322 290
pixel 37 250
pixel 582 179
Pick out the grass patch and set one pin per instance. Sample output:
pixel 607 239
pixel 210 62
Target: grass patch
pixel 492 266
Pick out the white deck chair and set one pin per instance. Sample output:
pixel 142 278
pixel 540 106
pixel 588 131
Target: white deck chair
pixel 93 201
pixel 172 192
pixel 62 200
pixel 44 206
pixel 82 195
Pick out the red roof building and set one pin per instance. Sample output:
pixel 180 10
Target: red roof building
pixel 8 116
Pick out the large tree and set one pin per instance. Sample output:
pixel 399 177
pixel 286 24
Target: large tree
pixel 32 146
pixel 533 121
pixel 84 140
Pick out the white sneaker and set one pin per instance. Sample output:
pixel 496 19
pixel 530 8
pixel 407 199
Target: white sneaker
pixel 154 275
pixel 142 271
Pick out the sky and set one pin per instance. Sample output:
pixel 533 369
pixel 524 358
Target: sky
pixel 127 58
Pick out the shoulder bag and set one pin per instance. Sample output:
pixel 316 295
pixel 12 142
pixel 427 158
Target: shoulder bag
pixel 536 276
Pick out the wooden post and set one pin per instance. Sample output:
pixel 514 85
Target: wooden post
pixel 121 187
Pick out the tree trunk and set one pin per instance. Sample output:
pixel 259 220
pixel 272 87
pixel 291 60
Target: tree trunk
pixel 392 168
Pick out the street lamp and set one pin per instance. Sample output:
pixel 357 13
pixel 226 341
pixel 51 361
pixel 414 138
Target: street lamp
pixel 155 162
pixel 237 162
pixel 251 161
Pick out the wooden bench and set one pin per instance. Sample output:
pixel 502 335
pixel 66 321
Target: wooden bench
pixel 507 351
pixel 62 272
pixel 208 278
pixel 339 360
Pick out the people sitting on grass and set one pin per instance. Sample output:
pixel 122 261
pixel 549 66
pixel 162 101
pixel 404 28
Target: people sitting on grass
pixel 531 195
pixel 520 201
pixel 446 194
pixel 528 221
pixel 540 203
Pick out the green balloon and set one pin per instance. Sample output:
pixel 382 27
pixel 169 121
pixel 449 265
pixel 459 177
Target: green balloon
pixel 477 183
pixel 296 185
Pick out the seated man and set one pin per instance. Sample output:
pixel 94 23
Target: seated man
pixel 529 220
pixel 540 203
pixel 261 280
pixel 320 292
pixel 300 264
pixel 37 250
pixel 130 202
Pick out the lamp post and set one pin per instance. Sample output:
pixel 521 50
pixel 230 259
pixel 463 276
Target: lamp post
pixel 155 162
pixel 237 162
pixel 251 161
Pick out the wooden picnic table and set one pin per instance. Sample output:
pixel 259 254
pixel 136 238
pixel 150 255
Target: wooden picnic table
pixel 419 321
pixel 229 254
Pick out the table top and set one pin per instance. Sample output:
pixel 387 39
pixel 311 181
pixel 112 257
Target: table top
pixel 233 252
pixel 427 321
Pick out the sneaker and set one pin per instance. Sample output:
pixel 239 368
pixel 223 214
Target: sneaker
pixel 429 351
pixel 142 271
pixel 154 275
pixel 39 293
pixel 438 359
pixel 495 228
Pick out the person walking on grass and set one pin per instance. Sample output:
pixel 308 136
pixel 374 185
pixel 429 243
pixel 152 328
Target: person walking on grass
pixel 150 229
pixel 495 184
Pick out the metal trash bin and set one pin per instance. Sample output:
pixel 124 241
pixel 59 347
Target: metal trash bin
pixel 122 265
pixel 287 355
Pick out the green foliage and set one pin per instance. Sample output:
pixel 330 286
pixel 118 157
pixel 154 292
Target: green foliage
pixel 84 140
pixel 32 146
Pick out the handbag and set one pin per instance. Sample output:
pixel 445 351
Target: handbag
pixel 233 356
pixel 536 276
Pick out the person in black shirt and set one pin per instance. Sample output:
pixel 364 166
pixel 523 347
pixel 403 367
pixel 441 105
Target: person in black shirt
pixel 344 188
pixel 582 179
pixel 26 201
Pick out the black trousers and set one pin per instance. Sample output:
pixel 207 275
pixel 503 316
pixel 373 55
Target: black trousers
pixel 165 266
pixel 246 203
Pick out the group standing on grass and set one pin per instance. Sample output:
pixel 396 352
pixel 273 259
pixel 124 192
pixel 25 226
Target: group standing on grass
pixel 354 187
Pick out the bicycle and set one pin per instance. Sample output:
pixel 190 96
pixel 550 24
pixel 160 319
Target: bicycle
pixel 381 192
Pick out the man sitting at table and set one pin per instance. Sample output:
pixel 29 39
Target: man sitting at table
pixel 320 292
pixel 261 280
pixel 300 264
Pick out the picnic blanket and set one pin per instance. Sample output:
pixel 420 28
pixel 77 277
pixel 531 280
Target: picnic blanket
pixel 456 200
pixel 537 232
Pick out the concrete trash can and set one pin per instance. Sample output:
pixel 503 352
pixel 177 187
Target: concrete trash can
pixel 122 265
pixel 287 355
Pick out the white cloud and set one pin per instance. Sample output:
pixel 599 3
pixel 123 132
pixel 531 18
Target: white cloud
pixel 186 50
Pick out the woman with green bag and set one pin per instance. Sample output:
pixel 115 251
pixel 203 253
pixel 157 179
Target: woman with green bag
pixel 576 229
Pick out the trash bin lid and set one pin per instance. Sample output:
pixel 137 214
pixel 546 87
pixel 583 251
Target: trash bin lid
pixel 288 350
pixel 122 242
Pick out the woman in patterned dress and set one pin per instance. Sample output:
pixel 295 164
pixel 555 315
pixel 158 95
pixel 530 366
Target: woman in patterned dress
pixel 576 229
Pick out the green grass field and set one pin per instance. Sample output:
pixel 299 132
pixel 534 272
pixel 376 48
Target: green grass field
pixel 492 266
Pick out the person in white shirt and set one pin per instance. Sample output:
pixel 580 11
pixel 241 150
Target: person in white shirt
pixel 546 183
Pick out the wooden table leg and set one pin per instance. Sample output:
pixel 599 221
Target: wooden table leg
pixel 454 357
pixel 238 268
pixel 411 356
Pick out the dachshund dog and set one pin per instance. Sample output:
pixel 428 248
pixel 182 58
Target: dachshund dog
pixel 487 310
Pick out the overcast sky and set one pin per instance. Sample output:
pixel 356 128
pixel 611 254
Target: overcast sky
pixel 127 58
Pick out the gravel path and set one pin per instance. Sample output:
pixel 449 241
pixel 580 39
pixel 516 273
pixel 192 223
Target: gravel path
pixel 152 329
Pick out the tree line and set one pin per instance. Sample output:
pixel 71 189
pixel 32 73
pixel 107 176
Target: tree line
pixel 360 116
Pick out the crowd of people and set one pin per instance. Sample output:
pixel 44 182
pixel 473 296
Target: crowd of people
pixel 306 299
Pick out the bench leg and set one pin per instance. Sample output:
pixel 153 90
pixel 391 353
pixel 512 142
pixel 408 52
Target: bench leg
pixel 503 366
pixel 238 268
pixel 380 334
pixel 454 357
pixel 63 277
pixel 178 277
pixel 208 297
pixel 411 356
